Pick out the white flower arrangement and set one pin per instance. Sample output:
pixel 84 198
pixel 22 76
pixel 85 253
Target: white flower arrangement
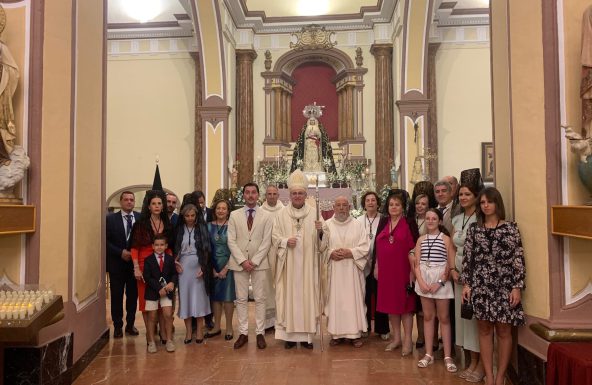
pixel 356 212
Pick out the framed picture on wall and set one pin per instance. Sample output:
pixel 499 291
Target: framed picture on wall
pixel 487 161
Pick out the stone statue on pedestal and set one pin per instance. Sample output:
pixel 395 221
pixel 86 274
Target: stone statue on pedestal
pixel 313 153
pixel 13 159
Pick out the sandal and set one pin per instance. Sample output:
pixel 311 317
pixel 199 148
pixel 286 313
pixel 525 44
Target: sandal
pixel 357 343
pixel 465 373
pixel 425 361
pixel 475 377
pixel 450 365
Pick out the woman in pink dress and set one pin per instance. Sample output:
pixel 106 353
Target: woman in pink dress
pixel 395 241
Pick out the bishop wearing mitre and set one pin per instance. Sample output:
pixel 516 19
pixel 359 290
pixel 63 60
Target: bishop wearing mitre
pixel 298 237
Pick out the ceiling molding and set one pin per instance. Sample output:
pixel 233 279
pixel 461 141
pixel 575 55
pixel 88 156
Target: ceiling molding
pixel 148 25
pixel 183 27
pixel 287 19
pixel 147 34
pixel 470 11
pixel 261 24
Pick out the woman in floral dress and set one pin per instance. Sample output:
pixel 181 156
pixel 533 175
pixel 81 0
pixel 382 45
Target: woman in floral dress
pixel 493 278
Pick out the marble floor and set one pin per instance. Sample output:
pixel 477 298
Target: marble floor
pixel 125 361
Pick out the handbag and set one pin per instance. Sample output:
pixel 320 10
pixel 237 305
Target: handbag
pixel 466 310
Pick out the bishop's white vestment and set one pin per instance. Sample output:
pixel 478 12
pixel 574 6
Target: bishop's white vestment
pixel 269 289
pixel 296 274
pixel 345 308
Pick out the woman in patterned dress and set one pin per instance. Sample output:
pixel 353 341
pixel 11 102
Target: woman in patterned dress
pixel 223 294
pixel 493 278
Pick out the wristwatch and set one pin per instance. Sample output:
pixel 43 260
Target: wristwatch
pixel 442 282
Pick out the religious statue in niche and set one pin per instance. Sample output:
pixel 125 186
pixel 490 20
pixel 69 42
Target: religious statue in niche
pixel 13 159
pixel 313 152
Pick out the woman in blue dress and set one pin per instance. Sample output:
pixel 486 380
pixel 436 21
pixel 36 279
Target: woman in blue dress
pixel 193 255
pixel 223 294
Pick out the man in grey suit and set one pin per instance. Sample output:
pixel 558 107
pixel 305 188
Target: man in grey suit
pixel 249 239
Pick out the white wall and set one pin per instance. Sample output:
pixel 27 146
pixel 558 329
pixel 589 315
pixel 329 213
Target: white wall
pixel 463 86
pixel 150 112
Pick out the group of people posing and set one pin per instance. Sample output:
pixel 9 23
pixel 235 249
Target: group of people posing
pixel 423 255
pixel 445 247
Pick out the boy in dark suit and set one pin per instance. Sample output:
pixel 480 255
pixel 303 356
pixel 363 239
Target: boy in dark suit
pixel 160 275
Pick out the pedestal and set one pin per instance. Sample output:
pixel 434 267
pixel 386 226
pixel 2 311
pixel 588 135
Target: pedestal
pixel 321 177
pixel 15 219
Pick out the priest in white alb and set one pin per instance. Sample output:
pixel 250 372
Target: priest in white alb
pixel 297 235
pixel 273 206
pixel 346 258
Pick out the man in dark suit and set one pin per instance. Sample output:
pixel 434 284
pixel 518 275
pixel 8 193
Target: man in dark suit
pixel 120 267
pixel 172 202
pixel 206 212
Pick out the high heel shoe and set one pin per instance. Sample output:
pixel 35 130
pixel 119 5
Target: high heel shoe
pixel 199 340
pixel 188 341
pixel 214 334
pixel 228 337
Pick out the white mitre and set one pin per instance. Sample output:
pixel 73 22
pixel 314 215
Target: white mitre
pixel 297 180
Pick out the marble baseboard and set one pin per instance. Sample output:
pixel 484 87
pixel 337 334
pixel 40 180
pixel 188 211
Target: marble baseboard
pixel 50 364
pixel 46 364
pixel 531 370
pixel 90 355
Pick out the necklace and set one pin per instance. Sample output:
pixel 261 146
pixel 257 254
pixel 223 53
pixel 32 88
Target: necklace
pixel 155 228
pixel 392 230
pixel 370 223
pixel 190 233
pixel 219 230
pixel 419 224
pixel 464 223
pixel 430 246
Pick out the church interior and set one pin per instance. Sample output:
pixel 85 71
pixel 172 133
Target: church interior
pixel 218 93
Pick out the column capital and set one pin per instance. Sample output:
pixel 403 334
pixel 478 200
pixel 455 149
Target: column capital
pixel 381 49
pixel 245 54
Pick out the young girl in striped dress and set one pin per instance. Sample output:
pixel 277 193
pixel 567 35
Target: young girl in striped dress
pixel 434 255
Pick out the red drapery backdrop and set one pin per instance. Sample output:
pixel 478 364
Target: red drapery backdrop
pixel 569 363
pixel 313 84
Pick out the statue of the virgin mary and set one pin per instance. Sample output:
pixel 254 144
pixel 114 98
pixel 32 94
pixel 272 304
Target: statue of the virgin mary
pixel 313 152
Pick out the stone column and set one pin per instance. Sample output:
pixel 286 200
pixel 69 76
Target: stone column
pixel 285 123
pixel 350 112
pixel 244 113
pixel 358 111
pixel 340 120
pixel 289 115
pixel 432 124
pixel 384 140
pixel 198 127
pixel 277 111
